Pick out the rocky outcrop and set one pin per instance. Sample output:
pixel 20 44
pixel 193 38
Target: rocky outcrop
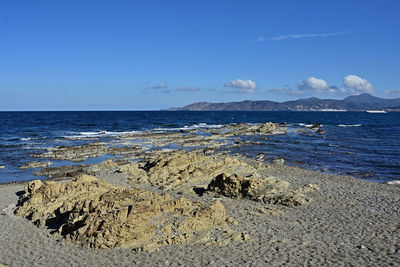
pixel 267 128
pixel 235 186
pixel 36 164
pixel 74 153
pixel 100 215
pixel 81 153
pixel 182 171
pixel 268 190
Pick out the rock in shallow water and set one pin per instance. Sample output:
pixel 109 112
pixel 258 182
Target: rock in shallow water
pixel 36 164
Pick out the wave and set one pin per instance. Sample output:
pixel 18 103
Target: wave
pixel 349 125
pixel 192 127
pixel 307 125
pixel 86 135
pixel 13 139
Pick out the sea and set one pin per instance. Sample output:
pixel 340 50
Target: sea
pixel 360 144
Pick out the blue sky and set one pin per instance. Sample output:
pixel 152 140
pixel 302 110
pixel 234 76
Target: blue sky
pixel 141 55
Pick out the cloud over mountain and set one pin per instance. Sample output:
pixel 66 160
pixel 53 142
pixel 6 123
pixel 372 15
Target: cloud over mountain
pixel 243 86
pixel 317 85
pixel 356 85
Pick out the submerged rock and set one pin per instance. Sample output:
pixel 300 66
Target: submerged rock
pixel 100 215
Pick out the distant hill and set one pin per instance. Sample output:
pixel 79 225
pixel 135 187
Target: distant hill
pixel 352 103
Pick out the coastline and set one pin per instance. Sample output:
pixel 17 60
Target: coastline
pixel 348 221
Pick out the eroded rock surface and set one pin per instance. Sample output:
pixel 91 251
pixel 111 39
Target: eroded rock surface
pixel 83 152
pixel 267 190
pixel 100 215
pixel 267 128
pixel 183 170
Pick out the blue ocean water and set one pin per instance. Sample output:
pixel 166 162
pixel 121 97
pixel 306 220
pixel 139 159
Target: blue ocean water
pixel 356 143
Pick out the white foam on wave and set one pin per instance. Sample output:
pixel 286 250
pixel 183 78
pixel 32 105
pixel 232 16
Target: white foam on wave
pixel 192 127
pixel 307 125
pixel 349 125
pixel 29 138
pixel 84 135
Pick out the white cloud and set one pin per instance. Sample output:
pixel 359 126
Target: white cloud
pixel 188 88
pixel 313 84
pixel 356 85
pixel 305 35
pixel 159 86
pixel 243 86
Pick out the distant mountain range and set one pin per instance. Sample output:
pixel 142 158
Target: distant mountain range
pixel 352 103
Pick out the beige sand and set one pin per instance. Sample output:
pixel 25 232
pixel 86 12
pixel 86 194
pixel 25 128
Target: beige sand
pixel 349 222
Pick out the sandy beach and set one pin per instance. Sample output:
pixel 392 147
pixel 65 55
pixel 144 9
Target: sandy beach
pixel 347 221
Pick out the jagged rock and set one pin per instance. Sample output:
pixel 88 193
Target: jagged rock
pixel 100 215
pixel 268 190
pixel 185 170
pixel 267 127
pixel 235 186
pixel 36 164
pixel 320 131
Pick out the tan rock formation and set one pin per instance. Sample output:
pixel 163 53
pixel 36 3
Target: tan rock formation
pixel 235 186
pixel 268 190
pixel 100 215
pixel 185 170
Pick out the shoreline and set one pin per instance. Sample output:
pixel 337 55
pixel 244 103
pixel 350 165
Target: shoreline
pixel 335 150
pixel 346 221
